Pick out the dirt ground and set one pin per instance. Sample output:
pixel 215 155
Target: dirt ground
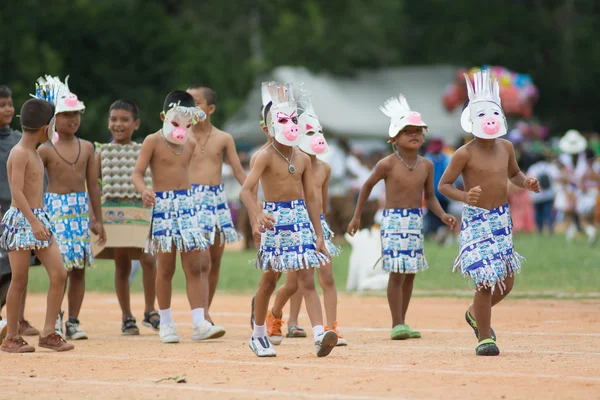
pixel 549 349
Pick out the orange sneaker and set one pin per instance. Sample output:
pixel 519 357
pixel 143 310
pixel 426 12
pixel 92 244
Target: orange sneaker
pixel 341 340
pixel 274 325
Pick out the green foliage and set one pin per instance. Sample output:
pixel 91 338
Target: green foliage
pixel 141 50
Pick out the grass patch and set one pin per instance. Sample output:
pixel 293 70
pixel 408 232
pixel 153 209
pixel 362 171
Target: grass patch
pixel 552 266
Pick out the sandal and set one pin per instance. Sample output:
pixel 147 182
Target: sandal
pixel 150 322
pixel 294 331
pixel 129 327
pixel 471 321
pixel 487 347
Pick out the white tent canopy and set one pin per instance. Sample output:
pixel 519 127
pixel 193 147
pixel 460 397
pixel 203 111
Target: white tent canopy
pixel 349 107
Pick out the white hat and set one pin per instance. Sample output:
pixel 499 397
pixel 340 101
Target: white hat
pixel 572 142
pixel 400 115
pixel 62 97
pixel 483 116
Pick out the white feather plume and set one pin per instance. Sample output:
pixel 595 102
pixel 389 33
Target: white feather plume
pixel 484 87
pixel 395 107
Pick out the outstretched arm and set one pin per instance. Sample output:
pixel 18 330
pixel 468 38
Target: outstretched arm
pixel 432 202
pixel 515 175
pixel 248 196
pixel 17 163
pixel 234 161
pixel 378 174
pixel 141 166
pixel 458 162
pixel 93 187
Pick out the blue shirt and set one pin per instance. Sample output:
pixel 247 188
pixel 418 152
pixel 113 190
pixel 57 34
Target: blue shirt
pixel 440 163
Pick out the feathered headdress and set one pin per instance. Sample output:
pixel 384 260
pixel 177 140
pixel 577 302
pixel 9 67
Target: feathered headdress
pixel 398 110
pixel 489 119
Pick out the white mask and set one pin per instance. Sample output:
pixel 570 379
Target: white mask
pixel 484 117
pixel 283 126
pixel 179 121
pixel 313 142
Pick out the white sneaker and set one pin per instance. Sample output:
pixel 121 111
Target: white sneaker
pixel 206 330
pixel 325 343
pixel 168 334
pixel 342 342
pixel 262 347
pixel 58 327
pixel 74 332
pixel 3 324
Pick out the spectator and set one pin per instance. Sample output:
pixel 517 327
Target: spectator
pixel 546 173
pixel 434 153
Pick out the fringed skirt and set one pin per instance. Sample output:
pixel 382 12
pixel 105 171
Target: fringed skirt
pixel 17 233
pixel 486 253
pixel 328 236
pixel 71 221
pixel 214 213
pixel 402 240
pixel 175 223
pixel 290 245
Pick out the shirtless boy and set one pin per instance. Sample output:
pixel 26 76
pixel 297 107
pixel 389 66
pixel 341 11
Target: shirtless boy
pixel 486 164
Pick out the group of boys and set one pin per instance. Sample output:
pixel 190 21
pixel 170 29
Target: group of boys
pixel 187 204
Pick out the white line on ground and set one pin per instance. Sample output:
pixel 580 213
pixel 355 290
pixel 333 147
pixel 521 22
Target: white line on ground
pixel 399 347
pixel 328 366
pixel 191 388
pixel 361 329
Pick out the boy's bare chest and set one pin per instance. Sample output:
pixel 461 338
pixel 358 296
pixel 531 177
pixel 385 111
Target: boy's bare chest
pixel 211 153
pixel 67 166
pixel 401 178
pixel 166 158
pixel 487 164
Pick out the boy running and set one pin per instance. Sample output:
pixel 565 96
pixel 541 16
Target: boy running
pixel 407 176
pixel 486 164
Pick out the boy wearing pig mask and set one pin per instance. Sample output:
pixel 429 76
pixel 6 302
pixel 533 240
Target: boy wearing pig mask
pixel 175 225
pixel 486 164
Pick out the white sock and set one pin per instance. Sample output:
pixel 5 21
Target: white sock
pixel 317 330
pixel 197 316
pixel 165 317
pixel 259 330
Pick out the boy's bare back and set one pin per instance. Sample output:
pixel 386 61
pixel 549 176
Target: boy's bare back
pixel 403 188
pixel 62 177
pixel 29 162
pixel 277 183
pixel 206 168
pixel 488 167
pixel 169 170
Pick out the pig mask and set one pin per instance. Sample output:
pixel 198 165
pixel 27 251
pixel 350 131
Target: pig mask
pixel 283 126
pixel 179 121
pixel 313 142
pixel 483 116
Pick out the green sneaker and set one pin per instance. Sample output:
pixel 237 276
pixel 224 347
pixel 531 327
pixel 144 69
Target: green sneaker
pixel 400 332
pixel 471 321
pixel 487 347
pixel 413 334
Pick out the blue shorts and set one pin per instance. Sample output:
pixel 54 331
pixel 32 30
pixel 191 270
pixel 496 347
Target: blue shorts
pixel 71 221
pixel 175 222
pixel 486 253
pixel 214 213
pixel 290 245
pixel 17 233
pixel 402 240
